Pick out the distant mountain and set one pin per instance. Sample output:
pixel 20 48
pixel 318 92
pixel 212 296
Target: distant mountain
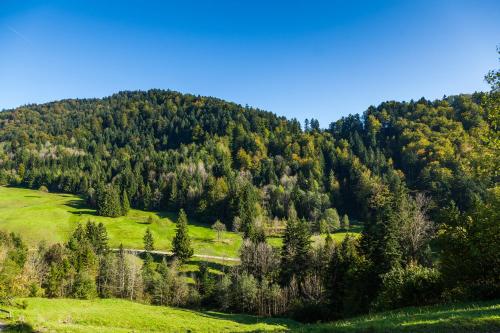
pixel 219 160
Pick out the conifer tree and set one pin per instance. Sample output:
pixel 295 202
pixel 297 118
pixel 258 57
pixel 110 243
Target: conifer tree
pixel 125 203
pixel 148 241
pixel 296 248
pixel 182 243
pixel 108 202
pixel 102 239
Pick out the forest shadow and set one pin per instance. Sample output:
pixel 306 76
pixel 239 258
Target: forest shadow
pixel 19 327
pixel 287 324
pixel 174 216
pixel 449 320
pixel 210 264
pixel 82 207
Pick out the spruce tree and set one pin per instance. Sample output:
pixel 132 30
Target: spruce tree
pixel 108 202
pixel 296 248
pixel 125 203
pixel 182 243
pixel 102 239
pixel 148 241
pixel 247 210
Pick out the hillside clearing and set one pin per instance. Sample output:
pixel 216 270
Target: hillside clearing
pixel 51 217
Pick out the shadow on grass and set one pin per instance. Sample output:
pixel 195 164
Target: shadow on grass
pixel 212 265
pixel 444 320
pixel 173 217
pixel 286 324
pixel 82 207
pixel 17 327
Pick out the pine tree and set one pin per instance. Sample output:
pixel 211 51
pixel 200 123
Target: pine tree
pixel 102 239
pixel 108 202
pixel 125 203
pixel 148 241
pixel 247 210
pixel 149 274
pixel 296 248
pixel 182 243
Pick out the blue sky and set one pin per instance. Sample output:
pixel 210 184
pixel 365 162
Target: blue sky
pixel 300 59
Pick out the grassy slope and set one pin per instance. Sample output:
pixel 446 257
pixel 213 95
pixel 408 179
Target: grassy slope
pixel 37 215
pixel 112 315
pixel 456 318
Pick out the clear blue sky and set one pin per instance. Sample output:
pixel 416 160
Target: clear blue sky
pixel 299 59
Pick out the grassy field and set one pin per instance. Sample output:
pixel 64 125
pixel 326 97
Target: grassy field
pixel 51 217
pixel 455 318
pixel 112 315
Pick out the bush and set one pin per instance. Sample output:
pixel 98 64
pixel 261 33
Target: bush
pixel 411 286
pixel 43 188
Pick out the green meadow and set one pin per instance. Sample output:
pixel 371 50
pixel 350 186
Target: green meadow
pixel 51 217
pixel 114 315
pixel 453 318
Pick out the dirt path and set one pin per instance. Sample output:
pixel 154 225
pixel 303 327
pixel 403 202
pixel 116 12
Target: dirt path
pixel 169 253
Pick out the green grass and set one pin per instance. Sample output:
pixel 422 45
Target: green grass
pixel 455 318
pixel 52 217
pixel 113 315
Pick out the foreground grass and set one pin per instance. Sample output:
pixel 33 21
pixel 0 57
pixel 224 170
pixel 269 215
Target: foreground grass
pixel 455 318
pixel 52 217
pixel 113 315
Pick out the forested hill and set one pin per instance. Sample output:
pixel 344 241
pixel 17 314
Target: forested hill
pixel 218 160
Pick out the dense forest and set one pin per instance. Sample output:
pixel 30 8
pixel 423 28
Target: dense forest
pixel 420 176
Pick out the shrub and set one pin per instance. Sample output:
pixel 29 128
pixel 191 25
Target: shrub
pixel 43 188
pixel 411 286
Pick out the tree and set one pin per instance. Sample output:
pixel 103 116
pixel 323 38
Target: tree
pixel 416 228
pixel 470 261
pixel 205 283
pixel 247 210
pixel 148 241
pixel 491 103
pixel 330 220
pixel 259 259
pixel 125 203
pixel 108 202
pixel 345 222
pixel 295 250
pixel 348 279
pixel 98 237
pixel 219 227
pixel 182 243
